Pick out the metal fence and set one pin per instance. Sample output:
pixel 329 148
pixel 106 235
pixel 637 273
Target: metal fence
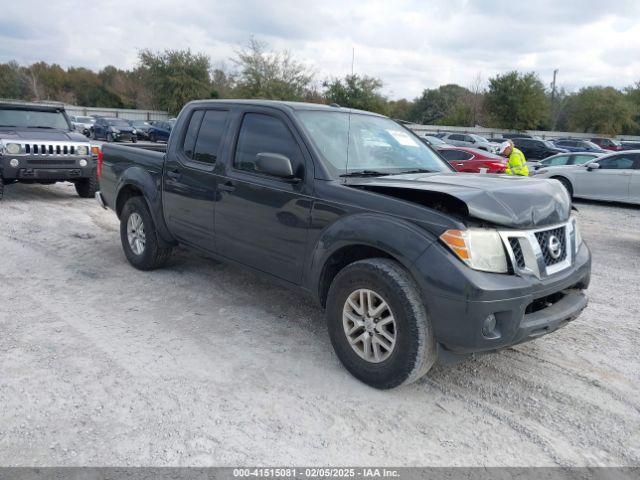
pixel 127 114
pixel 496 132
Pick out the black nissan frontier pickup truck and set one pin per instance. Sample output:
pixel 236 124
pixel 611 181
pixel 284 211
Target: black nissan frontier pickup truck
pixel 411 260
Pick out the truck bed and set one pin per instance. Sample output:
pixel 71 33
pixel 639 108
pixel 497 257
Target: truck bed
pixel 142 161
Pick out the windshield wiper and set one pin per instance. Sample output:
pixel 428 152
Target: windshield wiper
pixel 365 173
pixel 417 170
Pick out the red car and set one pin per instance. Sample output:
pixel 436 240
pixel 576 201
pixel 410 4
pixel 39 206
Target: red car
pixel 608 143
pixel 471 160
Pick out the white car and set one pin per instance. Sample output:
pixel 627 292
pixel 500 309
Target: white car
pixel 614 177
pixel 562 160
pixel 470 140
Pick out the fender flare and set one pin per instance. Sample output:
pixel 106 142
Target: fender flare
pixel 141 180
pixel 400 239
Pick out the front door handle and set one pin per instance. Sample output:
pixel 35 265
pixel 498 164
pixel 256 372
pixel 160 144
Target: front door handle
pixel 173 174
pixel 227 187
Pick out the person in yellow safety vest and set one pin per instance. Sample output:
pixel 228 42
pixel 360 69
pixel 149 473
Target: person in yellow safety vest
pixel 517 164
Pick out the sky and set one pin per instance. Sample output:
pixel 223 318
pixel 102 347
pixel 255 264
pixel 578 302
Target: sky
pixel 409 45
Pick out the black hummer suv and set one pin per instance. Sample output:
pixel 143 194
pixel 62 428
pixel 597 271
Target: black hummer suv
pixel 412 260
pixel 39 145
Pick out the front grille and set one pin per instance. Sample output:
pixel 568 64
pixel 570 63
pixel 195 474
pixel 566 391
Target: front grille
pixel 51 148
pixel 551 256
pixel 518 255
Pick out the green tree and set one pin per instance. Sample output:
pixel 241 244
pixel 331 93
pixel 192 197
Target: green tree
pixel 399 109
pixel 517 101
pixel 271 75
pixel 355 91
pixel 601 110
pixel 633 97
pixel 175 77
pixel 445 105
pixel 13 83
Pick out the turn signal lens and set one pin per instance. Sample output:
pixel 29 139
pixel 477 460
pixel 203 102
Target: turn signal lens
pixel 479 248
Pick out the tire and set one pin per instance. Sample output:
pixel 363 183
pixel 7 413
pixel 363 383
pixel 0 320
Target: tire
pixel 414 351
pixel 92 134
pixel 152 255
pixel 1 188
pixel 152 137
pixel 134 139
pixel 87 187
pixel 109 137
pixel 566 184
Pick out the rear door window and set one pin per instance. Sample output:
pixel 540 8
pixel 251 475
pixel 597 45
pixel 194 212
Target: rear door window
pixel 210 136
pixel 190 137
pixel 581 159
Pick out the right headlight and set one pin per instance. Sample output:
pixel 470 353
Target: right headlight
pixel 480 248
pixel 13 148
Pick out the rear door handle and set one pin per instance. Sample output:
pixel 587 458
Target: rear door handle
pixel 227 187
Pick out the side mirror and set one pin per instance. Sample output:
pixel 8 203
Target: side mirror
pixel 593 166
pixel 274 164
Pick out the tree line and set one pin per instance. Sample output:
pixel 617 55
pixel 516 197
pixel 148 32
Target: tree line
pixel 167 80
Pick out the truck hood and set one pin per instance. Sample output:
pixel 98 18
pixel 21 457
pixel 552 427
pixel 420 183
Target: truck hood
pixel 42 135
pixel 513 202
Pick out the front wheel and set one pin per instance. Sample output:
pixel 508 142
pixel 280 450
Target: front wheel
pixel 87 187
pixel 566 184
pixel 109 137
pixel 139 237
pixel 378 324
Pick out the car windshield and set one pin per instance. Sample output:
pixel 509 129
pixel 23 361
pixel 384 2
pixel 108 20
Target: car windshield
pixel 85 119
pixel 360 142
pixel 33 118
pixel 479 138
pixel 548 144
pixel 590 144
pixel 117 122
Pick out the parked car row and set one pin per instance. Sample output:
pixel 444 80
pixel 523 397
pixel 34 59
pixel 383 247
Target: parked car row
pixel 115 129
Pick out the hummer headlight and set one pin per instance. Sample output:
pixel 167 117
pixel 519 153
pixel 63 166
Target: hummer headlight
pixel 13 148
pixel 82 150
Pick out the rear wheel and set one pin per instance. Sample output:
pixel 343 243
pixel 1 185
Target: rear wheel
pixel 378 324
pixel 87 187
pixel 139 237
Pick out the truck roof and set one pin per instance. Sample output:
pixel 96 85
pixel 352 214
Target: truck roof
pixel 282 105
pixel 39 107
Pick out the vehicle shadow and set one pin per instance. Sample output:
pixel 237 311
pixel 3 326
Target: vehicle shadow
pixel 27 192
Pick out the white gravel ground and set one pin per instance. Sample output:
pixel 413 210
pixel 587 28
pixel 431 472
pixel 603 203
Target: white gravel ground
pixel 205 364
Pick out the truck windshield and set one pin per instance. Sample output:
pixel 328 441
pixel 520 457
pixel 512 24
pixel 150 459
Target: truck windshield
pixel 375 144
pixel 33 118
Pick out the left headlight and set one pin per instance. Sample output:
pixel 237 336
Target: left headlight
pixel 480 248
pixel 13 148
pixel 82 150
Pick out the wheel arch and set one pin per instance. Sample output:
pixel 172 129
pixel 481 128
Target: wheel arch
pixel 364 236
pixel 138 182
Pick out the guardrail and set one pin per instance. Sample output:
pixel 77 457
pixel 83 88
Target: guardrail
pixel 496 132
pixel 126 113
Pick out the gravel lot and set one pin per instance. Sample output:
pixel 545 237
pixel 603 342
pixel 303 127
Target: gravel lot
pixel 205 364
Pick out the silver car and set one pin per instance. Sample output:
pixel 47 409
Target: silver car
pixel 562 160
pixel 614 177
pixel 470 140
